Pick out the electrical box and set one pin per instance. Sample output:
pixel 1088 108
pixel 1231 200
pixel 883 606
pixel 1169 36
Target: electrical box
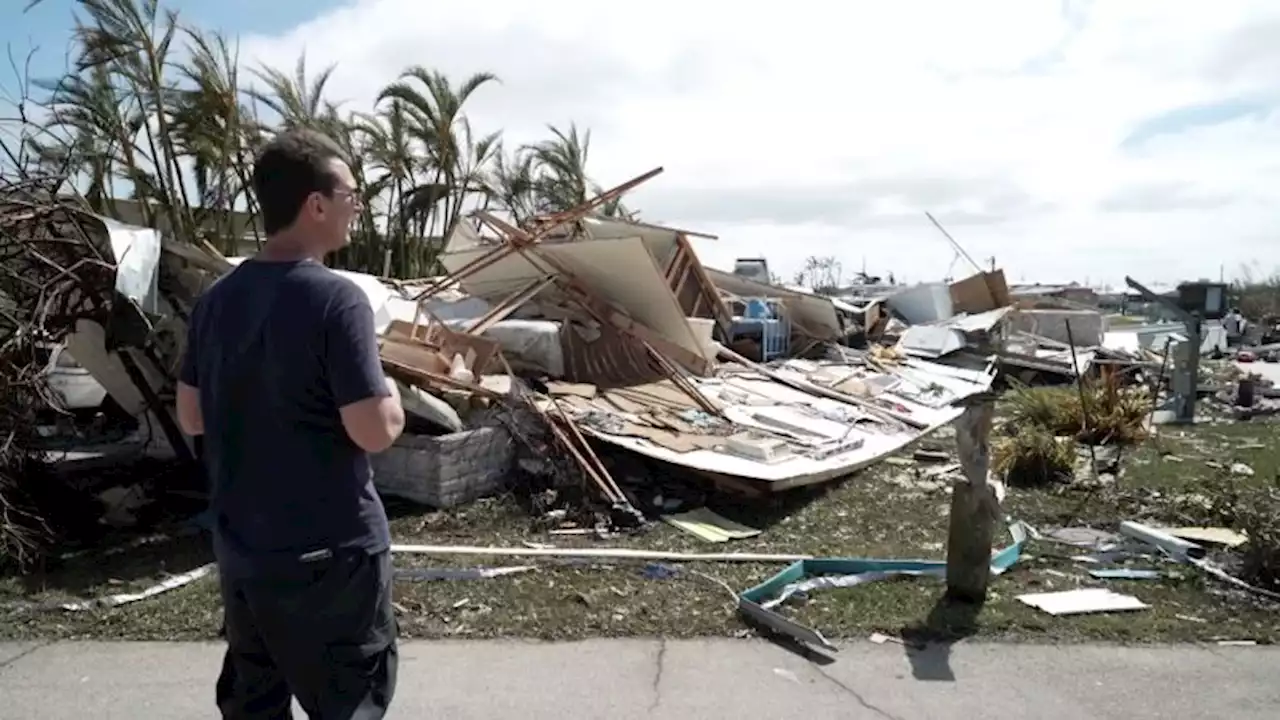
pixel 1206 299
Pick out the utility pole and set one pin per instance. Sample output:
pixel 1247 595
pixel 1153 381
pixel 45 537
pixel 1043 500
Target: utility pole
pixel 1186 377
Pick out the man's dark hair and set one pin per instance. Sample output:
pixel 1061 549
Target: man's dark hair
pixel 293 165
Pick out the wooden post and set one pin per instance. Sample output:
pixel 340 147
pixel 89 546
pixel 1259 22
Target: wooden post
pixel 974 508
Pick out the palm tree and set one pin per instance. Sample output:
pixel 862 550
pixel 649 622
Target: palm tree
pixel 385 141
pixel 441 129
pixel 560 178
pixel 89 136
pixel 296 99
pixel 133 38
pixel 214 131
pixel 179 136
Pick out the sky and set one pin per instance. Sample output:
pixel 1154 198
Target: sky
pixel 1066 139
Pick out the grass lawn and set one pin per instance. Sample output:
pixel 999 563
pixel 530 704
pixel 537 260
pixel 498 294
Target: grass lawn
pixel 884 512
pixel 1121 321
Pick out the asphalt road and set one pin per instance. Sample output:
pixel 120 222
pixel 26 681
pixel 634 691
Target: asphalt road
pixel 621 679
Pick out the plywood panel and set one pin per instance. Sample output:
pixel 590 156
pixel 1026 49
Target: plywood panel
pixel 660 241
pixel 624 273
pixel 621 272
pixel 498 280
pixel 980 293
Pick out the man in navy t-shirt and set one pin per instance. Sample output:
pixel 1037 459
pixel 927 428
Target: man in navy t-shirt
pixel 282 378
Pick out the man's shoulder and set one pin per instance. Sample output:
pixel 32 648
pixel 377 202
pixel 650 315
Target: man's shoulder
pixel 308 280
pixel 326 284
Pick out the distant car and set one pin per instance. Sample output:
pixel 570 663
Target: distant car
pixel 71 384
pixel 1245 356
pixel 1271 356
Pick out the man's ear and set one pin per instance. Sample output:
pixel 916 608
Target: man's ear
pixel 315 204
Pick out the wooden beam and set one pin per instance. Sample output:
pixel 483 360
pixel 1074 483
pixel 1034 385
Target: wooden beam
pixel 512 303
pixel 719 310
pixel 558 219
pixel 603 311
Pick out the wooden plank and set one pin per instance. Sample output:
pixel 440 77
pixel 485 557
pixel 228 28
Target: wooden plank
pixel 512 303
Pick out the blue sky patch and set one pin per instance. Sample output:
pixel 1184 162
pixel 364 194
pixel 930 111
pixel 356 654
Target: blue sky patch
pixel 1191 117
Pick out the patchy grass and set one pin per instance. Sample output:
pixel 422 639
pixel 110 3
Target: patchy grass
pixel 895 510
pixel 1120 321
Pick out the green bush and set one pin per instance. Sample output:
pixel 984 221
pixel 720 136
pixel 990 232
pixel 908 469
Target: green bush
pixel 1116 414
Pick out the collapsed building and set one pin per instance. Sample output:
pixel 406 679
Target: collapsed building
pixel 576 336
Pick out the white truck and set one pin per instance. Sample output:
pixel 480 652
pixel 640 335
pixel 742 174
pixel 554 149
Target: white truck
pixel 752 269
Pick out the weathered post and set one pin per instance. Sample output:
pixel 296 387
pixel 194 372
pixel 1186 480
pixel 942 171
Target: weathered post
pixel 974 507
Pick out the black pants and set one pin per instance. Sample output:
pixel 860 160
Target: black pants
pixel 321 630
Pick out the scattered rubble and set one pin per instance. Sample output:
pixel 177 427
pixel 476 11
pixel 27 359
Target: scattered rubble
pixel 595 367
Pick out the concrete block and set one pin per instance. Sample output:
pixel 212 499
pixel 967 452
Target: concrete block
pixel 446 470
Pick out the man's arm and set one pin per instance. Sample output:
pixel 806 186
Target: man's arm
pixel 367 399
pixel 190 419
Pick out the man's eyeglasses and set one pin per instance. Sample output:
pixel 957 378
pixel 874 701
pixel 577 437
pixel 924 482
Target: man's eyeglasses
pixel 347 195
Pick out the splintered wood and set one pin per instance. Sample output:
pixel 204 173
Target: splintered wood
pixel 434 355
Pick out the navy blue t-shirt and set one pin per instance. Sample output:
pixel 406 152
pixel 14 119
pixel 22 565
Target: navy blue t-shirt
pixel 276 348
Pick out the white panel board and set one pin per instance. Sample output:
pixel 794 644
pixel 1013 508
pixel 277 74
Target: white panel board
pixel 621 272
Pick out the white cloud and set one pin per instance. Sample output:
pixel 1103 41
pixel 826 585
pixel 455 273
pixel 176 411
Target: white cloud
pixel 822 128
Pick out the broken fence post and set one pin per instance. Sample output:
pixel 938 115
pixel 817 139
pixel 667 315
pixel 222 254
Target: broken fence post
pixel 974 508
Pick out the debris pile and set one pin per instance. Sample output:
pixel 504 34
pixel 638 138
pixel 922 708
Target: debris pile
pixel 54 269
pixel 593 365
pixel 626 341
pixel 75 281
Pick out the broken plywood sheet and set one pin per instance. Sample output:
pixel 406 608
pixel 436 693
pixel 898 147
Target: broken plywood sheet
pixel 466 237
pixel 477 352
pixel 669 440
pixel 582 390
pixel 864 442
pixel 661 241
pixel 1086 600
pixel 661 395
pixel 665 427
pixel 980 293
pixel 711 526
pixel 621 272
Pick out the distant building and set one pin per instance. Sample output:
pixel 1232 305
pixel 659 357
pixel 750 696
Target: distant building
pixel 249 230
pixel 1073 292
